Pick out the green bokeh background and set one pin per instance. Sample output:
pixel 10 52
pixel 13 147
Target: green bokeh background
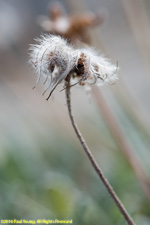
pixel 44 173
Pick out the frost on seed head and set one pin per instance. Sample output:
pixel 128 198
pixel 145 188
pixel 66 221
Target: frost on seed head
pixel 54 59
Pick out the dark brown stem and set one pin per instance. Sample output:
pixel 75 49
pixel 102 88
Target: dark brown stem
pixel 93 161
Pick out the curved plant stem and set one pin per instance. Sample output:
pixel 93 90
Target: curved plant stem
pixel 92 159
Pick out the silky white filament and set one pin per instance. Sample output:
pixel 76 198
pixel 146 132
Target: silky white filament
pixel 53 59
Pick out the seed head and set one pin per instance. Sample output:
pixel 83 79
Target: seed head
pixel 54 59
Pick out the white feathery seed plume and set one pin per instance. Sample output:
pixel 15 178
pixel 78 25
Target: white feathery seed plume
pixel 54 59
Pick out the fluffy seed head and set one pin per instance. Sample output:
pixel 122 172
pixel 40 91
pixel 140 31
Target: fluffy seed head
pixel 54 59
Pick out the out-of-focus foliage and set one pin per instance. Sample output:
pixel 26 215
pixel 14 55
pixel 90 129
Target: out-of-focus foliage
pixel 43 171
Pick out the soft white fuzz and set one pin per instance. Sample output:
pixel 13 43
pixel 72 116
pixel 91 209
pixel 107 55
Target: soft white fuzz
pixel 53 59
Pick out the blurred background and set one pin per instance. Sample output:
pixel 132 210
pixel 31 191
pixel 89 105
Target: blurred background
pixel 44 173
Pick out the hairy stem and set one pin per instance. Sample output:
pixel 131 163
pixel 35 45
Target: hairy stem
pixel 92 159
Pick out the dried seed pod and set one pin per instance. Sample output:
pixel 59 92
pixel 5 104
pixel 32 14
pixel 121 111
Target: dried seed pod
pixel 54 59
